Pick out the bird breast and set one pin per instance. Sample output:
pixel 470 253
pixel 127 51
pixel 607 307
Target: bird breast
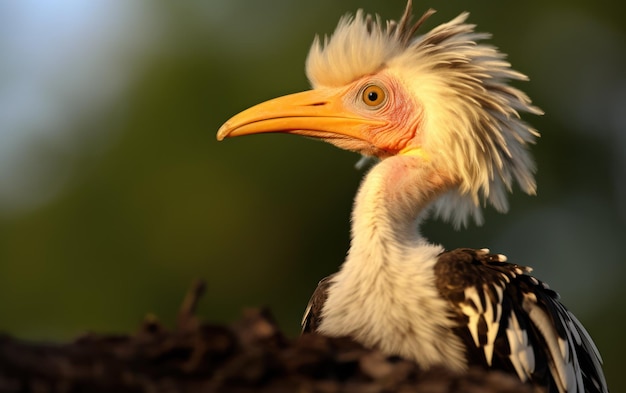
pixel 394 306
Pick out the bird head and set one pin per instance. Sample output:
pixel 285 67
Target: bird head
pixel 444 96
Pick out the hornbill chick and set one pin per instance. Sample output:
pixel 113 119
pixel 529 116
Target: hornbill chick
pixel 437 112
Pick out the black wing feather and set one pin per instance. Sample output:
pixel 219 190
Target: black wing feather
pixel 313 314
pixel 537 338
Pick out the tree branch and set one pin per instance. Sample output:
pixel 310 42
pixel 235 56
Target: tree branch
pixel 252 355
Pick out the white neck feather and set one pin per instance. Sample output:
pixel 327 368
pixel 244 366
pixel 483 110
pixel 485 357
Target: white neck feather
pixel 385 294
pixel 388 206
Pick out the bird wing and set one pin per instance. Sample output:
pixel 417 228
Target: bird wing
pixel 313 314
pixel 511 321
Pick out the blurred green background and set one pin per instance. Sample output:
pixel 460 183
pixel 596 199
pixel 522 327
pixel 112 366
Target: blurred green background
pixel 115 195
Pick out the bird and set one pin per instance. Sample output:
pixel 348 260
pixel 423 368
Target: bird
pixel 438 118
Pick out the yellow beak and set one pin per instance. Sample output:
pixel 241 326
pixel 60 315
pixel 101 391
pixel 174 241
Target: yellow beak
pixel 315 113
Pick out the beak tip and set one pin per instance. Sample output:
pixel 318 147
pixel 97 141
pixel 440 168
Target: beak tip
pixel 223 132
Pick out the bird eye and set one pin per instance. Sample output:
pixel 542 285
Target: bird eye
pixel 373 95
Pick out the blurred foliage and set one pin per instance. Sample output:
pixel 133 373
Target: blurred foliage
pixel 147 200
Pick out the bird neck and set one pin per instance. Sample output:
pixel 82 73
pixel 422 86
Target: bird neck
pixel 386 287
pixel 389 206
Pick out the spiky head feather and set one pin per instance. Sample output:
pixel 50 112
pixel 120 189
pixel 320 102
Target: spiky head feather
pixel 472 124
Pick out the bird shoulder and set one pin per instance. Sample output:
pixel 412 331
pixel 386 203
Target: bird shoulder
pixel 510 320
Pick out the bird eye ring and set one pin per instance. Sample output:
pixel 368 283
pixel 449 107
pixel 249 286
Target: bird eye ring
pixel 373 95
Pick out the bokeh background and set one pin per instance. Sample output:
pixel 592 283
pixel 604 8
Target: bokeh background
pixel 115 195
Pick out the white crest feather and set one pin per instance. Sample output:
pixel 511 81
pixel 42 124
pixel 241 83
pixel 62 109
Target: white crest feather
pixel 346 56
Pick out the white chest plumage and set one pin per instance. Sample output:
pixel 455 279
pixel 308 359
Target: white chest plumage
pixel 394 308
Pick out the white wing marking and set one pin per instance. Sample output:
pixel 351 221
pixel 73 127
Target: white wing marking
pixel 306 314
pixel 491 316
pixel 493 323
pixel 522 355
pixel 562 369
pixel 472 312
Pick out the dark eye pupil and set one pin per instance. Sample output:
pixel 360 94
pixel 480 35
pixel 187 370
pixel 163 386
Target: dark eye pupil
pixel 372 96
